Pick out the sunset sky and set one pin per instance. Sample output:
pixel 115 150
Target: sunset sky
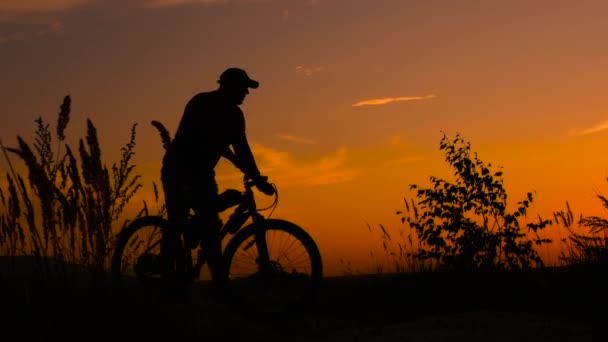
pixel 353 98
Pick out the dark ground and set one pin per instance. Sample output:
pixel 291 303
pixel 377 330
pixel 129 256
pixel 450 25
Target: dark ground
pixel 551 305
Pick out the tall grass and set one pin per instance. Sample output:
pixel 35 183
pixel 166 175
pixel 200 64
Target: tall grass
pixel 589 248
pixel 68 207
pixel 398 252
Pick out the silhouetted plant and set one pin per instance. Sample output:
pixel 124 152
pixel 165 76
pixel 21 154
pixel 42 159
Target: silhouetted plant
pixel 78 203
pixel 588 249
pixel 164 133
pixel 398 253
pixel 465 224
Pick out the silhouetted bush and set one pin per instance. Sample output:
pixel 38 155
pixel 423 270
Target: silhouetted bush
pixel 465 224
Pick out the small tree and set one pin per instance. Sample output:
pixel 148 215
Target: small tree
pixel 465 224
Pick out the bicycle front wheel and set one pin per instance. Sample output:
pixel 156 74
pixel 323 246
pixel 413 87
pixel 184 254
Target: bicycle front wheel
pixel 292 274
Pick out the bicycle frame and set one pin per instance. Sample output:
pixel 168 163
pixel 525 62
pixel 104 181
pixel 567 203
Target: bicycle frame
pixel 246 209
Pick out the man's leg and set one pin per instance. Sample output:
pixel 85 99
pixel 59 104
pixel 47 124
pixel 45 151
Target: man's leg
pixel 175 280
pixel 176 200
pixel 206 210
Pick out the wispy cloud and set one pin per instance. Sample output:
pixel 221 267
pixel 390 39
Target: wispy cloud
pixel 295 139
pixel 395 140
pixel 309 71
pixel 13 9
pixel 35 18
pixel 400 161
pixel 11 37
pixel 385 100
pixel 30 6
pixel 594 129
pixel 327 170
pixel 171 3
pixel 287 170
pixel 51 27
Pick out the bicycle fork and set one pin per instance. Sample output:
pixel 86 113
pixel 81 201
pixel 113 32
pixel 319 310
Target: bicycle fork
pixel 263 259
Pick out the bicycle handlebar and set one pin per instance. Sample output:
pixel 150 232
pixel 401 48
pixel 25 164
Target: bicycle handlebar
pixel 261 183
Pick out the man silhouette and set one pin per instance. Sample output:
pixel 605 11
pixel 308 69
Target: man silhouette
pixel 212 126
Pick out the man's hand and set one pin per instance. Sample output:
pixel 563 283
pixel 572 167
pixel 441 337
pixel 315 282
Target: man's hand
pixel 261 182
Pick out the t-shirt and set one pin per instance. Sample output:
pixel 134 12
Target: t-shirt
pixel 207 128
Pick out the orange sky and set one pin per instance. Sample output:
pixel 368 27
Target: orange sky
pixel 353 96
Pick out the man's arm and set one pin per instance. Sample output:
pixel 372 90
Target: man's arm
pixel 242 151
pixel 245 160
pixel 229 154
pixel 244 157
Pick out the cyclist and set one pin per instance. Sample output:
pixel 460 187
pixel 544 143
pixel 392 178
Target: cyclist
pixel 212 126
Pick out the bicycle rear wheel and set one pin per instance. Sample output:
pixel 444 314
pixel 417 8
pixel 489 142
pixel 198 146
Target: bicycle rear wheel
pixel 294 274
pixel 137 251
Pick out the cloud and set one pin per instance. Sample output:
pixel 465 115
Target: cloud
pixel 395 140
pixel 285 14
pixel 24 19
pixel 400 161
pixel 295 139
pixel 15 8
pixel 171 3
pixel 11 37
pixel 594 129
pixel 287 170
pixel 385 100
pixel 51 27
pixel 34 6
pixel 11 8
pixel 308 71
pixel 35 11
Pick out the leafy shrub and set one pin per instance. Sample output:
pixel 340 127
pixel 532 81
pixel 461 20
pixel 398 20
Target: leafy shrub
pixel 465 224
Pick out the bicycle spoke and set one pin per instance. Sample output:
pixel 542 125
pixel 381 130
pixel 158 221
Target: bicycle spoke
pixel 290 277
pixel 304 262
pixel 282 250
pixel 286 252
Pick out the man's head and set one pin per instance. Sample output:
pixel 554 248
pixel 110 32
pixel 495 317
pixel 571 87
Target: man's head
pixel 235 84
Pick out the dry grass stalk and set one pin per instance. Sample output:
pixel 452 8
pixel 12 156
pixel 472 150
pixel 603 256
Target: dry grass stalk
pixel 66 210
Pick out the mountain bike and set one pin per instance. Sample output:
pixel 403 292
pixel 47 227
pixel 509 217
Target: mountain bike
pixel 268 265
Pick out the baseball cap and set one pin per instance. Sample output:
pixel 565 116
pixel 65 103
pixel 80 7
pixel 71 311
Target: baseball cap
pixel 238 76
